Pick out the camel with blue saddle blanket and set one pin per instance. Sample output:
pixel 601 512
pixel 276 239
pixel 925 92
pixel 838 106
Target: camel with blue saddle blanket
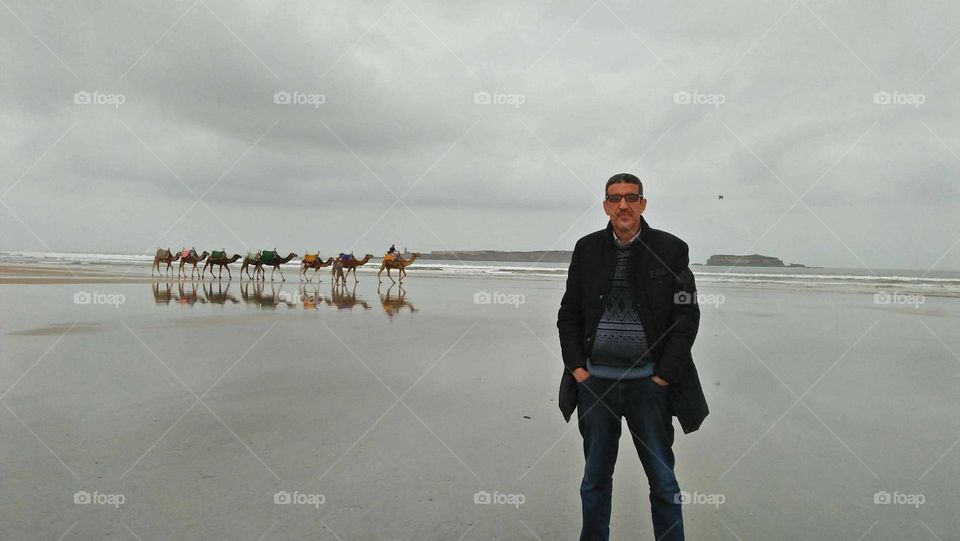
pixel 346 263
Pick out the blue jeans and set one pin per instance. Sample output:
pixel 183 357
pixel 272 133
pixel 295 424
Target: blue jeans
pixel 600 405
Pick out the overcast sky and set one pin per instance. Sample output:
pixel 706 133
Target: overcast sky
pixel 770 103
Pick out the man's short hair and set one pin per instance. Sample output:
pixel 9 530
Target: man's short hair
pixel 624 177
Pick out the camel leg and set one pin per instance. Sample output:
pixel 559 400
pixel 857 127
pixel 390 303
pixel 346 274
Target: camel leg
pixel 229 276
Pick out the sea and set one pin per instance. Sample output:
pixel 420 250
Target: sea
pixel 888 281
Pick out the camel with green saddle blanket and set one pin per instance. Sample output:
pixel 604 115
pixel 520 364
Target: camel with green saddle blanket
pixel 190 256
pixel 313 261
pixel 272 258
pixel 396 261
pixel 343 265
pixel 164 256
pixel 219 257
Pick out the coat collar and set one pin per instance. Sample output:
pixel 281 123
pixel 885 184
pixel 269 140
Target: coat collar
pixel 642 240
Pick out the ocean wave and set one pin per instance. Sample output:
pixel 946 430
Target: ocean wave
pixel 947 281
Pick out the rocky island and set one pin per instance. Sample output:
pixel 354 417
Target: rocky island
pixel 754 260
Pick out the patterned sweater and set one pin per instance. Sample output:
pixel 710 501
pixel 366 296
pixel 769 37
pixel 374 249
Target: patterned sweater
pixel 620 340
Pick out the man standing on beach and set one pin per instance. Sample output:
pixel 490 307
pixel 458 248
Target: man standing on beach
pixel 627 323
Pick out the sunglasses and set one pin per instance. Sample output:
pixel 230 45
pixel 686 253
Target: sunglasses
pixel 630 197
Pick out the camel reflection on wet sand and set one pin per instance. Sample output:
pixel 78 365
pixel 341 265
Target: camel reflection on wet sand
pixel 392 304
pixel 265 295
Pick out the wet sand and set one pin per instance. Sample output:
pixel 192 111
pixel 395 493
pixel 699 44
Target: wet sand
pixel 200 401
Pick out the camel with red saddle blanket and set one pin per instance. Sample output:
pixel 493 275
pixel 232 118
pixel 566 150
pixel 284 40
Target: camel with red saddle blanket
pixel 190 256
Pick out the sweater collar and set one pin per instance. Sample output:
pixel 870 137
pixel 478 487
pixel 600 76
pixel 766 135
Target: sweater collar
pixel 641 234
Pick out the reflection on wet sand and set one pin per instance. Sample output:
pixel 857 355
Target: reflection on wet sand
pixel 392 304
pixel 346 300
pixel 393 299
pixel 265 299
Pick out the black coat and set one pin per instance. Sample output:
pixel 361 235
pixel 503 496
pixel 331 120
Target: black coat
pixel 666 302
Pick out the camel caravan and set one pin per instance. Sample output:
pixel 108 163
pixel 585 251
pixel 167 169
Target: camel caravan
pixel 340 266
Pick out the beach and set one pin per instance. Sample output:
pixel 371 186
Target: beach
pixel 155 408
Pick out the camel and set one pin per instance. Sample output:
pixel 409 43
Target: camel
pixel 313 261
pixel 191 258
pixel 252 258
pixel 399 263
pixel 343 268
pixel 164 256
pixel 219 258
pixel 272 259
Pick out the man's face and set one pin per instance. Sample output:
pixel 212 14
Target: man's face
pixel 625 216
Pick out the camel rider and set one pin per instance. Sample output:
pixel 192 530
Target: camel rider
pixel 391 254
